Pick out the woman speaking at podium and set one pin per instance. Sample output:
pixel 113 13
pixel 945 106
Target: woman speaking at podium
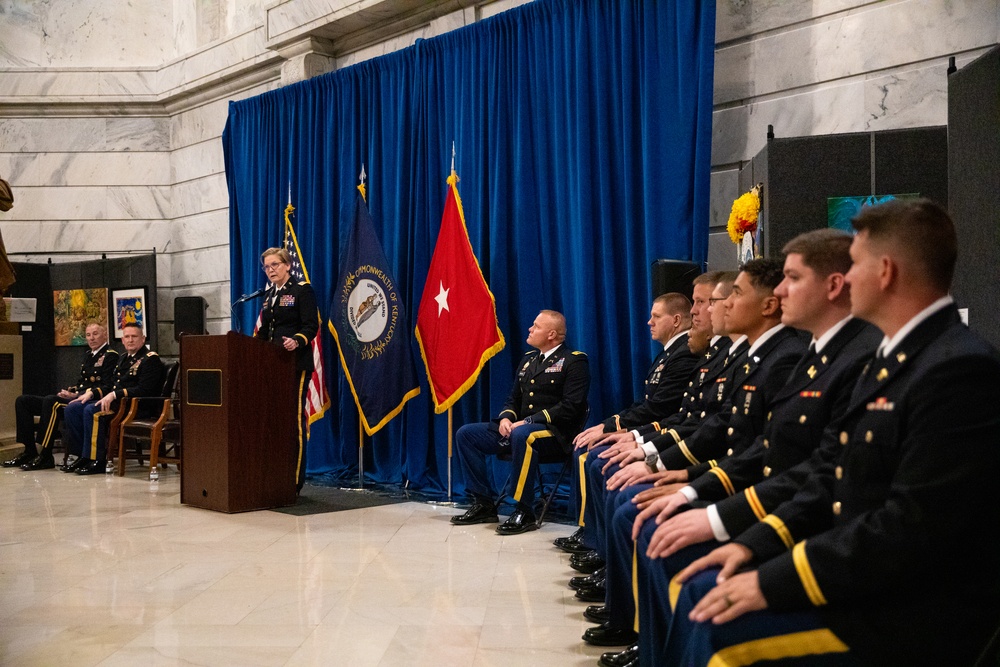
pixel 289 319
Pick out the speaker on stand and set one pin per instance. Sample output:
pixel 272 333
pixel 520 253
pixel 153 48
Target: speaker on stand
pixel 189 316
pixel 672 275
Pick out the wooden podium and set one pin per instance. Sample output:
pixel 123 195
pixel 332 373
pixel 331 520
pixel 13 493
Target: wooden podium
pixel 239 423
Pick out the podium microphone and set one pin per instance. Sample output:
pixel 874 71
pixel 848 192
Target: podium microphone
pixel 245 297
pixel 252 295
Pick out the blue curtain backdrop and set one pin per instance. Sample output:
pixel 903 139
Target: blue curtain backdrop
pixel 583 136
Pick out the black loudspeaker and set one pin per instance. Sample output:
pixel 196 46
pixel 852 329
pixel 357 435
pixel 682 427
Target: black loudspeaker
pixel 671 275
pixel 189 315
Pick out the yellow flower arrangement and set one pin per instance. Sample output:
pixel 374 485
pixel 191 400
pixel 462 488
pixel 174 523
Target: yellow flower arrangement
pixel 743 217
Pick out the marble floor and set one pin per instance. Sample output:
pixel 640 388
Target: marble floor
pixel 106 570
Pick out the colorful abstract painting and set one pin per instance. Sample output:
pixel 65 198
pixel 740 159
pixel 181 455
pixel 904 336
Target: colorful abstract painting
pixel 130 308
pixel 75 309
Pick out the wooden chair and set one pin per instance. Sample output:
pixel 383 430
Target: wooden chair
pixel 162 431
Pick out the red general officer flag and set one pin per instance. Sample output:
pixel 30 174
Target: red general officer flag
pixel 457 320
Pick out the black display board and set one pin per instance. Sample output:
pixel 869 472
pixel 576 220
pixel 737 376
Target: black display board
pixel 800 173
pixel 973 181
pixel 47 367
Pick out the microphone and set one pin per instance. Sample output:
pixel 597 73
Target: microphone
pixel 252 295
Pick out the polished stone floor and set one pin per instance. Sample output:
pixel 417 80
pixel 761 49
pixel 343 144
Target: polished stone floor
pixel 105 570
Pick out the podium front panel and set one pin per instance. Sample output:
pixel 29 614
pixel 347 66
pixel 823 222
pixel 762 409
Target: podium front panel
pixel 239 423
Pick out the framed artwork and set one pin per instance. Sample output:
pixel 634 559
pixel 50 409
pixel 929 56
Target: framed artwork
pixel 75 309
pixel 129 307
pixel 840 210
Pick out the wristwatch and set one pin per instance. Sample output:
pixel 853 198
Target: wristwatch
pixel 651 461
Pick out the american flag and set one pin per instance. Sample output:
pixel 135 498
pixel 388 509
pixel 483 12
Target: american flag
pixel 317 398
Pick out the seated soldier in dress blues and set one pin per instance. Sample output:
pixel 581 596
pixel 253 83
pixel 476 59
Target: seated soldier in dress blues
pixel 543 412
pixel 96 373
pixel 815 298
pixel 670 325
pixel 885 556
pixel 139 373
pixel 753 310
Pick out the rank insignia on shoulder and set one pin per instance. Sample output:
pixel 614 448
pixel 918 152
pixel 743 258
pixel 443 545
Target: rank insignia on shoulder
pixel 881 403
pixel 810 394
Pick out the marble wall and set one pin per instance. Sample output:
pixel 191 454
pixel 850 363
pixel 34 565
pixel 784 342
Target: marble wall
pixel 111 114
pixel 826 67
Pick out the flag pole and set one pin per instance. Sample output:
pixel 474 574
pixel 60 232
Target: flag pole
pixel 449 453
pixel 449 407
pixel 361 431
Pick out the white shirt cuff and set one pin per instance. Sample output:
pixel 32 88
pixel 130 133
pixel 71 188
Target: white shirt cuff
pixel 689 493
pixel 648 448
pixel 718 528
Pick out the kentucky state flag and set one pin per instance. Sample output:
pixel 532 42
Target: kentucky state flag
pixel 457 320
pixel 368 323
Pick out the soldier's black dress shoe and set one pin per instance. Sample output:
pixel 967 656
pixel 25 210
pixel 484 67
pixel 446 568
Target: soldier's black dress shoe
pixel 75 465
pixel 588 564
pixel 43 461
pixel 627 658
pixel 517 523
pixel 19 460
pixel 92 468
pixel 572 544
pixel 592 594
pixel 604 635
pixel 480 512
pixel 597 613
pixel 596 579
pixel 574 538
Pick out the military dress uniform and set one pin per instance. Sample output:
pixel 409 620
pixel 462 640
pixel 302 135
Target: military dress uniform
pixel 663 393
pixel 290 311
pixel 817 391
pixel 136 375
pixel 550 395
pixel 887 556
pixel 748 381
pixel 96 374
pixel 753 384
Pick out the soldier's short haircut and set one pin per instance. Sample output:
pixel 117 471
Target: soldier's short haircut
pixel 825 251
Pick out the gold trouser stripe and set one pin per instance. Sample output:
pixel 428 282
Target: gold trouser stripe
pixel 727 483
pixel 675 436
pixel 674 591
pixel 635 588
pixel 583 487
pixel 793 645
pixel 298 421
pixel 526 463
pixel 687 453
pixel 47 440
pixel 93 437
pixel 780 528
pixel 755 504
pixel 805 571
